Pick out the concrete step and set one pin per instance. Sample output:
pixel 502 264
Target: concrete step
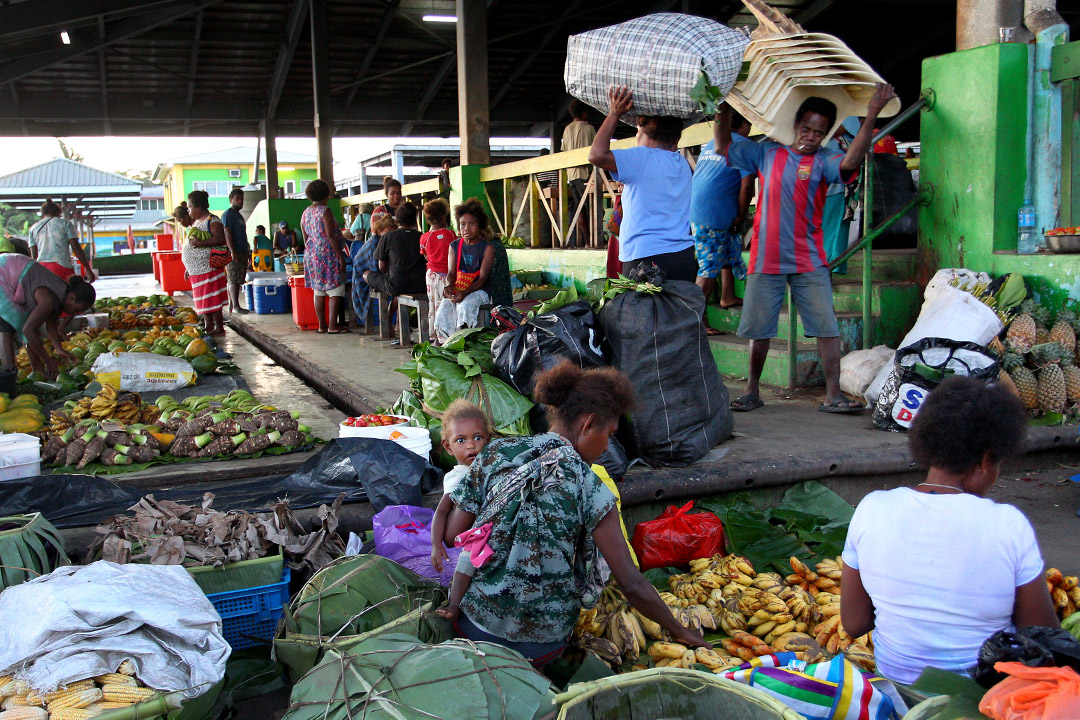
pixel 887 266
pixel 727 320
pixel 732 355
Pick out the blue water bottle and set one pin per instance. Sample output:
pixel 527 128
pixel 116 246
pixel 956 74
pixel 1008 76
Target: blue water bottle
pixel 1027 240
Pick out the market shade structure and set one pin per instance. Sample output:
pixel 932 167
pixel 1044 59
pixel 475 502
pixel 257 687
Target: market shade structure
pixel 83 191
pixel 209 67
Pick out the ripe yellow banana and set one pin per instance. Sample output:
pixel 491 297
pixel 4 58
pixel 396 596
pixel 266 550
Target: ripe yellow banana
pixel 650 627
pixel 667 650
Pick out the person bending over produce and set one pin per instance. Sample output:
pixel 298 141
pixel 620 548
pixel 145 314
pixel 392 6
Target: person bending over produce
pixel 538 515
pixel 937 569
pixel 31 296
pixel 657 184
pixel 468 278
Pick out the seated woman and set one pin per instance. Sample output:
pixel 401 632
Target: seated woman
pixel 657 184
pixel 936 569
pixel 32 298
pixel 469 267
pixel 549 514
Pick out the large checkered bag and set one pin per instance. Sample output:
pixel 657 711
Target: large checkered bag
pixel 659 57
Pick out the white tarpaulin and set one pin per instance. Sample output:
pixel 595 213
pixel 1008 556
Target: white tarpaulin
pixel 82 621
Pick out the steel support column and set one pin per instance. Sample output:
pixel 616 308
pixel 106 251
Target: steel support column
pixel 320 70
pixel 474 124
pixel 271 159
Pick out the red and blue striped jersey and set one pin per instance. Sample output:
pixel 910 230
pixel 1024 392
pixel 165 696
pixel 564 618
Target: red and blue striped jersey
pixel 791 197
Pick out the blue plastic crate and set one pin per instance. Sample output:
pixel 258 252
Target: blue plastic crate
pixel 251 615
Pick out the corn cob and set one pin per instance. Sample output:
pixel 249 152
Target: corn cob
pixel 73 714
pixel 126 668
pixel 13 687
pixel 25 713
pixel 120 692
pixel 115 678
pixel 107 705
pixel 73 699
pixel 15 701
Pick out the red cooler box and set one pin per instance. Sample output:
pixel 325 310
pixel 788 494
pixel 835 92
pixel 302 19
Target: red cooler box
pixel 164 241
pixel 303 304
pixel 172 278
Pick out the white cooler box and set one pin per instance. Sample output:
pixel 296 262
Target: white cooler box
pixel 20 456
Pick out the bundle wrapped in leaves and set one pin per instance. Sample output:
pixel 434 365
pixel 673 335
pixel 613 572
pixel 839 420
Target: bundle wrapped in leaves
pixel 397 676
pixel 354 598
pixel 461 368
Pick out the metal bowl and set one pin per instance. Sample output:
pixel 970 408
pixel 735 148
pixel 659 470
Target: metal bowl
pixel 1063 243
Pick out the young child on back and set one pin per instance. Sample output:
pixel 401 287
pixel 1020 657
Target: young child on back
pixel 465 433
pixel 435 245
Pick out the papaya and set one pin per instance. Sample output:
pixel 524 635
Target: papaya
pixel 204 364
pixel 23 400
pixel 21 421
pixel 195 348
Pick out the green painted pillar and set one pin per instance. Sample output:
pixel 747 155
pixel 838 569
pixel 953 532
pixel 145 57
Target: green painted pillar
pixel 465 183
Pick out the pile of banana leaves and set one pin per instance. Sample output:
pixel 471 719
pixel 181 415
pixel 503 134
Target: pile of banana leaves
pixel 461 368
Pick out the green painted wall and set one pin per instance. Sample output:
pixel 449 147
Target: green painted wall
pixel 974 156
pixel 218 205
pixel 562 266
pixel 271 212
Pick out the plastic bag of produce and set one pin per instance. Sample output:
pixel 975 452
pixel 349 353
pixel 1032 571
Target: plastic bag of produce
pixel 353 598
pixel 659 57
pixel 403 534
pixel 1033 646
pixel 1029 693
pixel 859 368
pixel 396 676
pixel 920 368
pixel 658 339
pixel 952 314
pixel 572 332
pixel 143 372
pixel 677 537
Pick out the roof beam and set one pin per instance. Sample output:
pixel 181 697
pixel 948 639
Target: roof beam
pixel 299 14
pixel 44 17
pixel 432 89
pixel 369 57
pixel 568 10
pixel 420 25
pixel 106 123
pixel 121 30
pixel 193 65
pixel 15 104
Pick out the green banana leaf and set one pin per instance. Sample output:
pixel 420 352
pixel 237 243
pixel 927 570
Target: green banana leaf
pixel 397 676
pixel 562 298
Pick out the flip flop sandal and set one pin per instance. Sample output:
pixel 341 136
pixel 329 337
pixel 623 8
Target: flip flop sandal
pixel 713 332
pixel 732 305
pixel 746 403
pixel 321 331
pixel 842 406
pixel 339 331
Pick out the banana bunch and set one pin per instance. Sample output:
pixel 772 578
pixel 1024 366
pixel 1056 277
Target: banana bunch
pixel 831 636
pixel 804 646
pixel 671 654
pixel 611 630
pixel 688 590
pixel 127 412
pixel 862 656
pixel 104 403
pixel 801 605
pixel 729 567
pixel 60 421
pixel 80 410
pixel 745 646
pixel 827 578
pixel 1064 592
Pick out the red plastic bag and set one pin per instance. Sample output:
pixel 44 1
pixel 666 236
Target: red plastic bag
pixel 1033 693
pixel 677 537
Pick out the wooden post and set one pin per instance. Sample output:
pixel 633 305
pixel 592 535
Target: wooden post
pixel 320 70
pixel 508 206
pixel 472 76
pixel 564 200
pixel 271 159
pixel 534 211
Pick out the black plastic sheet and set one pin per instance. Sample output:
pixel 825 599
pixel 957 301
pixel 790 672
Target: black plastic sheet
pixel 364 469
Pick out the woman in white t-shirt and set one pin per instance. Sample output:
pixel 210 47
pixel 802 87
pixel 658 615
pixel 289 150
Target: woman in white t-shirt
pixel 936 569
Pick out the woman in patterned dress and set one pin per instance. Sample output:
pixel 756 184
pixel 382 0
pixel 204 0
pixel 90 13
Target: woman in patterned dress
pixel 209 285
pixel 324 260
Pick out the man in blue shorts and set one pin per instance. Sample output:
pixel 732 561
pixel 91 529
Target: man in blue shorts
pixel 788 246
pixel 719 201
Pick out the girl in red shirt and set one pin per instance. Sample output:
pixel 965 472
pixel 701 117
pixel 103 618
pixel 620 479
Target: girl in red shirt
pixel 435 245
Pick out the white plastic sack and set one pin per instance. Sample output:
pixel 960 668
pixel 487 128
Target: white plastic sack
pixel 859 368
pixel 952 314
pixel 659 57
pixel 83 621
pixel 143 372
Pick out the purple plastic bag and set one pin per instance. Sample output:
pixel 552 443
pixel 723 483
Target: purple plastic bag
pixel 403 534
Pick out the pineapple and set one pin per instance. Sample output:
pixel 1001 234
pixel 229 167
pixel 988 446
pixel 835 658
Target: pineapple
pixel 1051 391
pixel 1022 330
pixel 1042 318
pixel 1023 379
pixel 1063 332
pixel 1072 377
pixel 1006 381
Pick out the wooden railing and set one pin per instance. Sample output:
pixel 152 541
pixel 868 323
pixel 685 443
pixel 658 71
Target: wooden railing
pixel 515 196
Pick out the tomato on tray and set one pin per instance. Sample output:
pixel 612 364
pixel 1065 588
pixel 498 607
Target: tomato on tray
pixel 374 420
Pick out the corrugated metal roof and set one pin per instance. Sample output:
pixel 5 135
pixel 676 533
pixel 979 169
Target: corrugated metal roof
pixel 64 173
pixel 141 220
pixel 239 156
